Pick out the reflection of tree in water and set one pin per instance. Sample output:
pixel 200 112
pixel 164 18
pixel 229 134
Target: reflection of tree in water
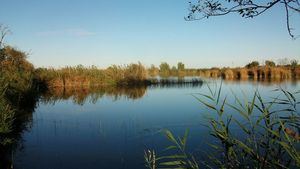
pixel 21 121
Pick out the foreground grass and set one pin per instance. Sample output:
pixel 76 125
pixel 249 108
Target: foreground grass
pixel 269 139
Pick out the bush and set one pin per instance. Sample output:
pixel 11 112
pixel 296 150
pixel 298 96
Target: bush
pixel 16 70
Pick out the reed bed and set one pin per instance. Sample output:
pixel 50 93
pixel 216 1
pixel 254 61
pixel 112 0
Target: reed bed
pixel 92 76
pixel 256 73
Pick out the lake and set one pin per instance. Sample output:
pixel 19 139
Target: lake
pixel 112 129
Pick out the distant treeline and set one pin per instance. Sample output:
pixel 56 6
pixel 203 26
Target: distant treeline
pixel 285 69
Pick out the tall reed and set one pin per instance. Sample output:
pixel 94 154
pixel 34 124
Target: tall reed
pixel 268 133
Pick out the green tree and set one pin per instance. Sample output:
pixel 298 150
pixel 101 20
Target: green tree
pixel 270 63
pixel 164 68
pixel 180 66
pixel 294 63
pixel 252 64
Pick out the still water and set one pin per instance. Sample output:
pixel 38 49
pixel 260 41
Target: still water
pixel 112 129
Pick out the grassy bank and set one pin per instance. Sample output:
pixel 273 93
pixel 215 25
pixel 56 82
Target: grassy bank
pixel 132 74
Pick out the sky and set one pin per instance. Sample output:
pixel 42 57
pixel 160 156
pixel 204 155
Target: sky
pixel 57 33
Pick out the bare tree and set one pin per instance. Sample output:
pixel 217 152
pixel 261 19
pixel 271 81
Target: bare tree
pixel 283 62
pixel 4 31
pixel 245 8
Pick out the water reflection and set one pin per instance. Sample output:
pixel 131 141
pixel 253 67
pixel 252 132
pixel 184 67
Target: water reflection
pixel 22 121
pixel 23 117
pixel 107 130
pixel 82 95
pixel 263 82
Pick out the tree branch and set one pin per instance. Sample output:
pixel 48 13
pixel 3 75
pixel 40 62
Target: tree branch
pixel 4 31
pixel 245 8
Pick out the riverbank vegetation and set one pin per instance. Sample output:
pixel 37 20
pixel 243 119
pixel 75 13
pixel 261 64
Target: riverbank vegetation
pixel 137 74
pixel 80 76
pixel 285 69
pixel 18 97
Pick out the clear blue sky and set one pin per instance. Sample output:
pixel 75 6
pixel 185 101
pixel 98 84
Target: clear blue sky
pixel 104 32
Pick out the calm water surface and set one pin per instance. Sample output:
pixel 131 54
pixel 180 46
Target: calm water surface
pixel 112 129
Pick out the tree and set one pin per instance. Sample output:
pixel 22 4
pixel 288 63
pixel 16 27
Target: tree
pixel 164 67
pixel 294 63
pixel 252 64
pixel 245 8
pixel 270 63
pixel 4 31
pixel 283 62
pixel 153 70
pixel 180 66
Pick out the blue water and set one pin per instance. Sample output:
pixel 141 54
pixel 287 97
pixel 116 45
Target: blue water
pixel 113 133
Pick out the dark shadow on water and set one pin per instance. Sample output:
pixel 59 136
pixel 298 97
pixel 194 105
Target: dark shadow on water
pixel 12 140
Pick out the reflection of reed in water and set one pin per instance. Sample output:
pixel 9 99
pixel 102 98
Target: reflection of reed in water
pixel 11 131
pixel 82 94
pixel 92 94
pixel 263 82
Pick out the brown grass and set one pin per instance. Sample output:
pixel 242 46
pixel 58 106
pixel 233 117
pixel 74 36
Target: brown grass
pixel 242 74
pixel 255 73
pixel 228 74
pixel 91 76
